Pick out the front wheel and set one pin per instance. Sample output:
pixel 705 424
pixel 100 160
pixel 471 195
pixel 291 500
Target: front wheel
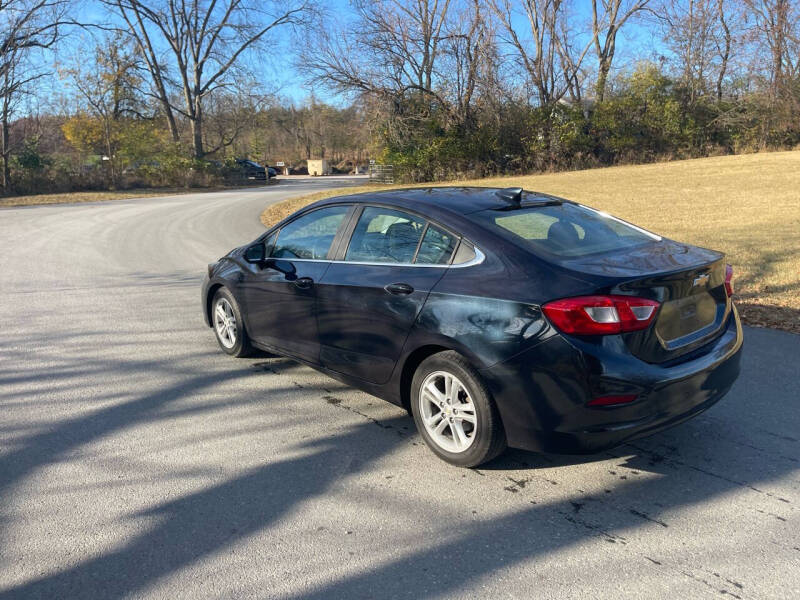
pixel 229 325
pixel 454 412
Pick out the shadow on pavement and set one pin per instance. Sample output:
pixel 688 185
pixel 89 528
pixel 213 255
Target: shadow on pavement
pixel 698 462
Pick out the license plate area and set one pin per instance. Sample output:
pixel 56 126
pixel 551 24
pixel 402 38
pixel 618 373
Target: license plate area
pixel 686 320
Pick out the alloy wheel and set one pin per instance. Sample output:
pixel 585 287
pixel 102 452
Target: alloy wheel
pixel 225 323
pixel 448 412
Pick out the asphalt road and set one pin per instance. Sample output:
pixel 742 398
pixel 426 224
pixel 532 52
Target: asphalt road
pixel 138 460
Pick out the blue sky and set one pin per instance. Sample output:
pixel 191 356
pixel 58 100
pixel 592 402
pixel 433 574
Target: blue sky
pixel 275 66
pixel 634 43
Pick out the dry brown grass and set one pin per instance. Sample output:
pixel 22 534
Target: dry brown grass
pixel 746 206
pixel 102 196
pixel 78 197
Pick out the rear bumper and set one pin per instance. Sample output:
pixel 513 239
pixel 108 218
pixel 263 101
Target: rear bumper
pixel 542 393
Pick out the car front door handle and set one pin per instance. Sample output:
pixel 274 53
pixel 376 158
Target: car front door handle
pixel 399 289
pixel 303 283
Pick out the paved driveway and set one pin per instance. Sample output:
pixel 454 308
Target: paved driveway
pixel 138 460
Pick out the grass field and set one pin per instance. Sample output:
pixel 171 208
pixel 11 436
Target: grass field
pixel 746 206
pixel 76 197
pixel 102 196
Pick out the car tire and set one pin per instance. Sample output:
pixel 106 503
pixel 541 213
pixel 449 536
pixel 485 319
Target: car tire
pixel 473 433
pixel 228 325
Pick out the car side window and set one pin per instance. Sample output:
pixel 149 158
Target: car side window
pixel 436 248
pixel 269 242
pixel 311 235
pixel 384 235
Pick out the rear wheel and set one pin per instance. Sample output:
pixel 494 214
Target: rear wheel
pixel 454 412
pixel 228 324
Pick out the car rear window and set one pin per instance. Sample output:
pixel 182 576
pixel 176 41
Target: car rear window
pixel 566 230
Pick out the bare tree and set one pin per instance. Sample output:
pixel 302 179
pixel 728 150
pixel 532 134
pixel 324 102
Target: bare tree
pixel 700 35
pixel 199 44
pixel 391 49
pixel 608 18
pixel 136 27
pixel 467 55
pixel 108 86
pixel 410 62
pixel 26 26
pixel 546 51
pixel 724 43
pixel 231 111
pixel 689 31
pixel 776 25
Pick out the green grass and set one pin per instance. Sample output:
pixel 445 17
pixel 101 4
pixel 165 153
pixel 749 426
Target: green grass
pixel 747 206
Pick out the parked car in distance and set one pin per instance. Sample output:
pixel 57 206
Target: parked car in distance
pixel 251 169
pixel 496 317
pixel 271 172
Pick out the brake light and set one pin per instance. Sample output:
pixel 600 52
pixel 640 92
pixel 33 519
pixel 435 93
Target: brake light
pixel 729 280
pixel 601 315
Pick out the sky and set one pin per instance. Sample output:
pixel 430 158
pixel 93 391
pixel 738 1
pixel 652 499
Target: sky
pixel 634 43
pixel 275 66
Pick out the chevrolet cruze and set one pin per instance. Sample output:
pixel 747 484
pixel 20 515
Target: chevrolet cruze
pixel 496 317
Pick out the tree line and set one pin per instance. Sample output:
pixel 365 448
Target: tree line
pixel 169 93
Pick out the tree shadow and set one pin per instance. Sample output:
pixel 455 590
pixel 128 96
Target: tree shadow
pixel 201 523
pixel 539 528
pixel 710 457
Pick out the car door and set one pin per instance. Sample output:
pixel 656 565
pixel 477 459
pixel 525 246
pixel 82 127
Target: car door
pixel 280 293
pixel 368 300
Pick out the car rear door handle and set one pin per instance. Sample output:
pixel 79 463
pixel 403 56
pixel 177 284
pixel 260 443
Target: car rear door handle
pixel 304 282
pixel 399 289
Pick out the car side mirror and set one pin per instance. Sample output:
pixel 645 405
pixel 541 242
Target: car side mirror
pixel 256 254
pixel 283 266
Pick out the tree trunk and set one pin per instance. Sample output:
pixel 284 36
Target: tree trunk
pixel 165 105
pixel 602 77
pixel 778 47
pixel 5 150
pixel 112 176
pixel 726 53
pixel 173 127
pixel 197 137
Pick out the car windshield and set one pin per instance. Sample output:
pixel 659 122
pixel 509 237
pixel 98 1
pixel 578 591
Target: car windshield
pixel 566 230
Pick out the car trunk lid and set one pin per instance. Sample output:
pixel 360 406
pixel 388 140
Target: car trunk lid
pixel 687 281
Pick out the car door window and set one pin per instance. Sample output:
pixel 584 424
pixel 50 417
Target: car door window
pixel 310 236
pixel 385 236
pixel 436 248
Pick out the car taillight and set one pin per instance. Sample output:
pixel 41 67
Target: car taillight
pixel 601 315
pixel 729 280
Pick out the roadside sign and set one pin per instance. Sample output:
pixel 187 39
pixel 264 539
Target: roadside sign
pixel 372 161
pixel 280 163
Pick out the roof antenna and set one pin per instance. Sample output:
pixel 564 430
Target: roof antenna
pixel 511 195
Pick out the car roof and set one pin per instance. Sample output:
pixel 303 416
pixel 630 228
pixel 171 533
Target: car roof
pixel 454 200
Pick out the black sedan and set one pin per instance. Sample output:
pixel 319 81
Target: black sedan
pixel 252 170
pixel 496 317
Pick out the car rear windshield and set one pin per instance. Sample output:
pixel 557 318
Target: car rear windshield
pixel 566 230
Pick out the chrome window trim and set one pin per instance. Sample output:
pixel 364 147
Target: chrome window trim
pixel 479 258
pixel 602 213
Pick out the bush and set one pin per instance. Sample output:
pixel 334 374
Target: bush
pixel 647 117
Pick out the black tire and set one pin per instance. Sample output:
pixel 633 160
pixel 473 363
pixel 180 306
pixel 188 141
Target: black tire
pixel 489 438
pixel 241 344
